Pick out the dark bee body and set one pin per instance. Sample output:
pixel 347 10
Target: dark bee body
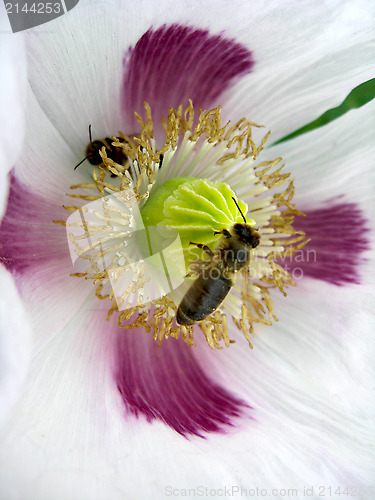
pixel 216 278
pixel 114 153
pixel 202 299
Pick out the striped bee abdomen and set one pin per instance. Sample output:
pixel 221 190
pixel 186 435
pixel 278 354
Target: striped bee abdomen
pixel 203 297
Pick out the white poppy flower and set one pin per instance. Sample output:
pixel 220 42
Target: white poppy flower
pixel 106 413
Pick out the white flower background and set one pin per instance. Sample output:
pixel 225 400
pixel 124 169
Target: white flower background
pixel 309 379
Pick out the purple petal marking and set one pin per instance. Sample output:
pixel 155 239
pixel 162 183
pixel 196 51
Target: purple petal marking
pixel 168 384
pixel 339 235
pixel 28 237
pixel 175 63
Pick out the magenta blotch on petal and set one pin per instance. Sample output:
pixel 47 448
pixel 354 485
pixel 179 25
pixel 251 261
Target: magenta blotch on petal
pixel 168 384
pixel 175 63
pixel 28 237
pixel 339 236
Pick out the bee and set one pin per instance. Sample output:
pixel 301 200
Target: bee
pixel 113 152
pixel 216 276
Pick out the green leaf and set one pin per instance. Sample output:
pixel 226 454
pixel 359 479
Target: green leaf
pixel 357 98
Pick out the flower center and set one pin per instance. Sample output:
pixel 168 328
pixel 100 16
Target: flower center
pixel 198 209
pixel 190 232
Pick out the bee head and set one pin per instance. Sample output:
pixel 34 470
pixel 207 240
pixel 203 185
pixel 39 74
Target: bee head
pixel 246 234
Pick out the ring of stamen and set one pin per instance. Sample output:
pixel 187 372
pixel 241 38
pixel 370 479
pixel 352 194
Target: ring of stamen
pixel 195 147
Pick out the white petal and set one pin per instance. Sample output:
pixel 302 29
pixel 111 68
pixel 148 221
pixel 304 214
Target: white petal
pixel 53 298
pixel 307 59
pixel 42 260
pixel 70 436
pixel 336 159
pixel 46 164
pixel 76 68
pixel 12 90
pixel 309 381
pixel 336 164
pixel 15 343
pixel 315 60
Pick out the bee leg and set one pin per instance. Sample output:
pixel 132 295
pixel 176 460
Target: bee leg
pixel 205 248
pixel 224 232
